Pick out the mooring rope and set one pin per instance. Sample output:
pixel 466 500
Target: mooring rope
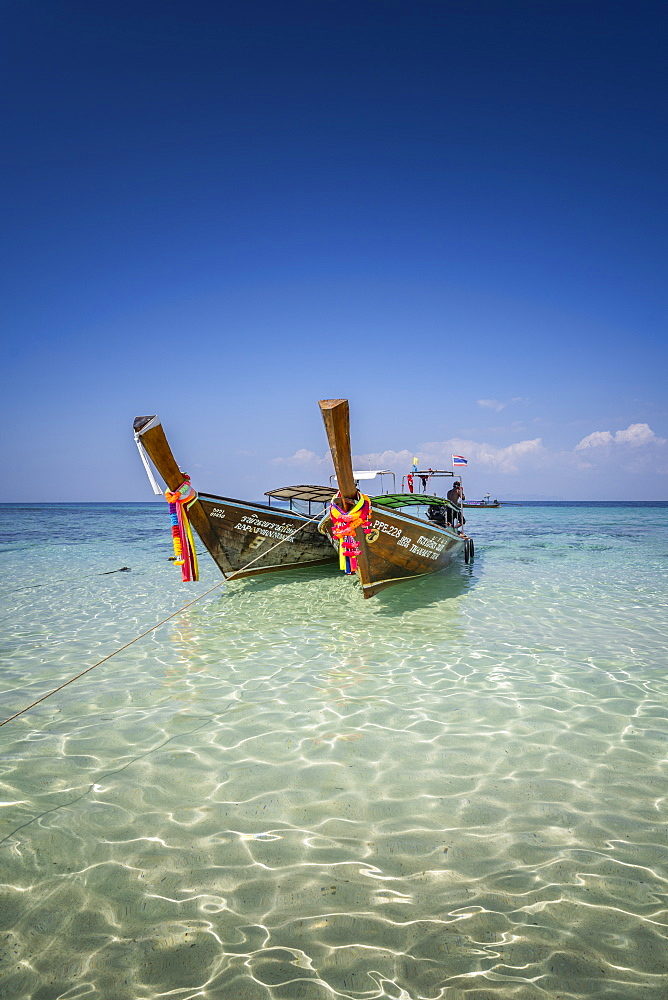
pixel 105 658
pixel 154 627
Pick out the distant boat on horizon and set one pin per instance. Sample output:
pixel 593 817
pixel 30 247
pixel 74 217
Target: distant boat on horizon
pixel 485 502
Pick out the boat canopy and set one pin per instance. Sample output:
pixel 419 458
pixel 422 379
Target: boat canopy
pixel 368 474
pixel 307 493
pixel 425 475
pixel 323 494
pixel 395 500
pixel 433 472
pixel 371 473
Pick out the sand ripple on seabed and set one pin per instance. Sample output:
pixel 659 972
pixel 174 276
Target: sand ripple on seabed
pixel 347 810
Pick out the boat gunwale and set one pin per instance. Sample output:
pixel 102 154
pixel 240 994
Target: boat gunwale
pixel 258 505
pixel 392 511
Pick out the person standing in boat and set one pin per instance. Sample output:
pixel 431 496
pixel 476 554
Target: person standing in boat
pixel 456 497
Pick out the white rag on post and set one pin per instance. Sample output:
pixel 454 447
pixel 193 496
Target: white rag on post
pixel 143 454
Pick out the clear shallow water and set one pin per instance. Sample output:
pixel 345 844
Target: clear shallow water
pixel 455 790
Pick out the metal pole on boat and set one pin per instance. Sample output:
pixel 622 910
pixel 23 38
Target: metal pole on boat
pixel 456 475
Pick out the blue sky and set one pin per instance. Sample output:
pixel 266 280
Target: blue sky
pixel 454 214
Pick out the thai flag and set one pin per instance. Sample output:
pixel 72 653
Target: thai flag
pixel 458 460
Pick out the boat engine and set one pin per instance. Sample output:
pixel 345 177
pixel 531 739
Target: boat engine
pixel 436 513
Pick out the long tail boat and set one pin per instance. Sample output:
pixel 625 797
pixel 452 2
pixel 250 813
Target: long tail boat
pixel 482 504
pixel 393 545
pixel 244 538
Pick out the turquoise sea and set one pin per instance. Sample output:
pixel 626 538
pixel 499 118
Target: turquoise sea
pixel 456 790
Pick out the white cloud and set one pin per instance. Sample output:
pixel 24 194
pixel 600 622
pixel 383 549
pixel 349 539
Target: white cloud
pixel 495 404
pixel 487 456
pixel 595 440
pixel 634 435
pixel 303 457
pixel 526 461
pixel 395 460
pixel 438 454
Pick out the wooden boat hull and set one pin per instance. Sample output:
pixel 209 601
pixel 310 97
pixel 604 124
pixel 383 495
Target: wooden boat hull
pixel 246 531
pixel 237 532
pixel 401 547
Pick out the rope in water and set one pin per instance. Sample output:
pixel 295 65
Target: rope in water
pixel 154 627
pixel 105 658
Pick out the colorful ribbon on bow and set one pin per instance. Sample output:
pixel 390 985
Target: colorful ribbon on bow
pixel 344 526
pixel 179 501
